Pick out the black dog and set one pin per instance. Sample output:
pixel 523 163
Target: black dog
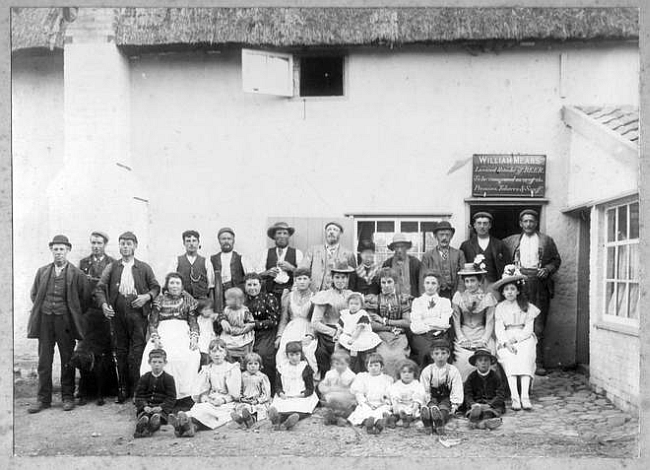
pixel 96 371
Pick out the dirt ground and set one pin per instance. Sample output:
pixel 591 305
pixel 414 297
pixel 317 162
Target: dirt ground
pixel 567 421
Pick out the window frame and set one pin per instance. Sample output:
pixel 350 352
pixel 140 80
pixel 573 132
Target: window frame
pixel 297 60
pixel 604 247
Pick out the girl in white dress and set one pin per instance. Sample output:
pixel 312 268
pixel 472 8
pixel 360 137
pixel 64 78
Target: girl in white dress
pixel 219 387
pixel 407 395
pixel 372 391
pixel 355 333
pixel 255 393
pixel 295 398
pixel 514 320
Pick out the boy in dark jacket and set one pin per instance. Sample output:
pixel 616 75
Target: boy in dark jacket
pixel 484 392
pixel 155 396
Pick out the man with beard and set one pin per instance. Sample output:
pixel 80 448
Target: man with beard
pixel 229 267
pixel 494 253
pixel 537 257
pixel 406 266
pixel 125 292
pixel 320 259
pixel 196 271
pixel 279 263
pixel 97 339
pixel 443 260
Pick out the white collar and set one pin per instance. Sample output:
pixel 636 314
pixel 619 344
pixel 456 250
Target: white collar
pixel 483 374
pixel 161 373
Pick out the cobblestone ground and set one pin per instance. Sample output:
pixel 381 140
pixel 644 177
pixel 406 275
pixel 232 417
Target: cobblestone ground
pixel 567 420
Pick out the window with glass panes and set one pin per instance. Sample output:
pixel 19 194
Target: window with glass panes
pixel 622 261
pixel 418 230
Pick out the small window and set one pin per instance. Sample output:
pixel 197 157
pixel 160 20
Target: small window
pixel 321 76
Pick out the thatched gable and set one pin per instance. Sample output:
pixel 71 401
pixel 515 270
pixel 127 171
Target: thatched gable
pixel 294 27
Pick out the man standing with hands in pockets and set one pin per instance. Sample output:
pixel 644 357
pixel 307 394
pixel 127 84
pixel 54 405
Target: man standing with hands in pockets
pixel 125 293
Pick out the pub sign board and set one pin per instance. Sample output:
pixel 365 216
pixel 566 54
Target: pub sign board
pixel 508 175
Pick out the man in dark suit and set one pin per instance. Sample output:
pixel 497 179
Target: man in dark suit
pixel 97 339
pixel 406 266
pixel 537 257
pixel 125 293
pixel 493 250
pixel 60 295
pixel 443 260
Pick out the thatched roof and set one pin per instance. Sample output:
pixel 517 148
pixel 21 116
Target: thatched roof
pixel 37 28
pixel 294 27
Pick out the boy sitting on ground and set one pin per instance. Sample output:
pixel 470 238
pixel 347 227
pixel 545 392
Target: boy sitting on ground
pixel 484 392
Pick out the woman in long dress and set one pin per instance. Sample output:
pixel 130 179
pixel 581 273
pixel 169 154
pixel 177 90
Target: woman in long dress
pixel 390 319
pixel 295 322
pixel 173 327
pixel 514 319
pixel 473 318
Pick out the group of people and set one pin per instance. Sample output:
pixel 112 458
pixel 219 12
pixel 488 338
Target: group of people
pixel 226 340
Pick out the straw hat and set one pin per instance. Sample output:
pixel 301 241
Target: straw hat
pixel 399 238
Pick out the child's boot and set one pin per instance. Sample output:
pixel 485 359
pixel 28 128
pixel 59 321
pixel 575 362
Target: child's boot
pixel 141 427
pixel 237 418
pixel 436 418
pixel 329 417
pixel 493 423
pixel 248 418
pixel 154 422
pixel 185 425
pixel 173 420
pixel 391 420
pixel 475 414
pixel 341 422
pixel 380 424
pixel 291 421
pixel 369 424
pixel 426 420
pixel 274 417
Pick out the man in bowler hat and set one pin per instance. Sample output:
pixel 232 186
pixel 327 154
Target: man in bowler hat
pixel 443 260
pixel 125 293
pixel 60 295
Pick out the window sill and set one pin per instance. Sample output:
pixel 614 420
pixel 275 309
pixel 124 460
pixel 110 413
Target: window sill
pixel 616 328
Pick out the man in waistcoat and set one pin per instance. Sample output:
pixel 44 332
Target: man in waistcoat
pixel 229 267
pixel 537 257
pixel 494 252
pixel 197 272
pixel 60 294
pixel 125 293
pixel 279 263
pixel 443 260
pixel 320 259
pixel 97 338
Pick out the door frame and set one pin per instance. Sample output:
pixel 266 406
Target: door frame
pixel 503 201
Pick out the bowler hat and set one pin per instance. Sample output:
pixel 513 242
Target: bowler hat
pixel 482 353
pixel 225 230
pixel 279 226
pixel 444 225
pixel 366 245
pixel 335 224
pixel 342 266
pixel 128 236
pixel 532 212
pixel 486 215
pixel 97 233
pixel 61 240
pixel 399 238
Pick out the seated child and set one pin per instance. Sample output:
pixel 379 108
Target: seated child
pixel 205 319
pixel 336 397
pixel 371 390
pixel 295 398
pixel 255 394
pixel 218 389
pixel 406 395
pixel 355 332
pixel 430 318
pixel 484 392
pixel 155 395
pixel 237 325
pixel 444 388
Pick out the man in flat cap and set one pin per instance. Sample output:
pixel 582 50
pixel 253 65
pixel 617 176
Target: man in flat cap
pixel 60 294
pixel 97 337
pixel 537 257
pixel 491 251
pixel 125 293
pixel 197 271
pixel 229 267
pixel 320 259
pixel 278 263
pixel 443 260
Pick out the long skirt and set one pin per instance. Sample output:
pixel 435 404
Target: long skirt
pixel 295 405
pixel 394 349
pixel 522 362
pixel 421 344
pixel 363 411
pixel 295 331
pixel 212 416
pixel 265 346
pixel 182 362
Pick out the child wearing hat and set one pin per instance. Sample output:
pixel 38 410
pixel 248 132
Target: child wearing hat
pixel 295 398
pixel 155 395
pixel 444 389
pixel 355 333
pixel 366 280
pixel 484 392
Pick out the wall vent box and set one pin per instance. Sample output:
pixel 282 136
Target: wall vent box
pixel 267 73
